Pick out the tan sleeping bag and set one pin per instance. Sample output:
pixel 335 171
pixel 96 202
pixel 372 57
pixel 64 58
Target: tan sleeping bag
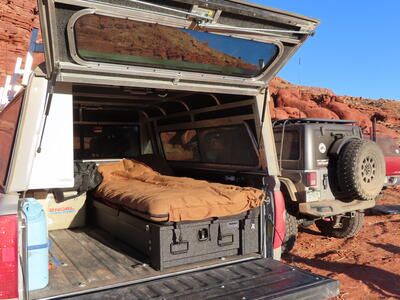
pixel 140 189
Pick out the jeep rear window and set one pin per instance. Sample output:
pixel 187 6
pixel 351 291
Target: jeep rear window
pixel 227 145
pixel 290 146
pixel 8 127
pixel 230 145
pixel 115 40
pixel 106 141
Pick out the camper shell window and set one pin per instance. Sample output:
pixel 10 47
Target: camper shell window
pixel 230 145
pixel 106 141
pixel 100 38
pixel 180 145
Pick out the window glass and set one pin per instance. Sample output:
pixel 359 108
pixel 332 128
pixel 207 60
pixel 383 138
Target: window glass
pixel 219 145
pixel 290 147
pixel 227 145
pixel 129 42
pixel 180 145
pixel 106 141
pixel 8 126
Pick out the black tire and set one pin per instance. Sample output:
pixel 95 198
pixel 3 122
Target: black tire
pixel 349 226
pixel 361 170
pixel 291 231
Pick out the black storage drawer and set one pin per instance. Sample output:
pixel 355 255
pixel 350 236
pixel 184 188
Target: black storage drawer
pixel 168 245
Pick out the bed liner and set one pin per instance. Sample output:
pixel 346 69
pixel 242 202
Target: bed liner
pixel 91 265
pixel 89 259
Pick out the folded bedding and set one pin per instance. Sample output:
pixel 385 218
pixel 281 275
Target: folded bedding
pixel 141 190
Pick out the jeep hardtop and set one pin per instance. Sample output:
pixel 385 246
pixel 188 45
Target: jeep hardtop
pixel 178 87
pixel 329 175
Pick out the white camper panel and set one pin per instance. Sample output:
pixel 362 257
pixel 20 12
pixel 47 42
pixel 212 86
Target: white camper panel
pixel 53 166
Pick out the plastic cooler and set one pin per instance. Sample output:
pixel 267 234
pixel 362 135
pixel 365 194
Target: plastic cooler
pixel 38 247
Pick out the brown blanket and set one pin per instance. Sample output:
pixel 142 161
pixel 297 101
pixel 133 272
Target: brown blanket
pixel 140 189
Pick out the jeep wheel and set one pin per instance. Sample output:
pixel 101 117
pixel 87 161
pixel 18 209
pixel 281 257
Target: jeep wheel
pixel 290 233
pixel 361 170
pixel 347 226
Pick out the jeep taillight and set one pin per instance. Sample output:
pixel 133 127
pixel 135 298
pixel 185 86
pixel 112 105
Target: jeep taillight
pixel 8 257
pixel 311 179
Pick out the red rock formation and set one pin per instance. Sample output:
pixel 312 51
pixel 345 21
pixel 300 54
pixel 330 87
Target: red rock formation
pixel 17 18
pixel 291 100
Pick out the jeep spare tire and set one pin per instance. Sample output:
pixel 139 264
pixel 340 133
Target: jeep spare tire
pixel 361 170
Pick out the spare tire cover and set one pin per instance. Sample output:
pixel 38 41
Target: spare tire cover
pixel 361 170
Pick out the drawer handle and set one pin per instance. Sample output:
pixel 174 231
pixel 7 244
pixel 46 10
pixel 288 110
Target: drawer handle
pixel 203 235
pixel 225 239
pixel 180 247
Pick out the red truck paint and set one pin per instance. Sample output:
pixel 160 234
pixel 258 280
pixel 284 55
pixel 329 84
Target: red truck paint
pixel 8 257
pixel 392 165
pixel 280 229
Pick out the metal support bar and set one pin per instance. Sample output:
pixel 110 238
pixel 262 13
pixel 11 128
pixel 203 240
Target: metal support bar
pixel 186 13
pixel 254 30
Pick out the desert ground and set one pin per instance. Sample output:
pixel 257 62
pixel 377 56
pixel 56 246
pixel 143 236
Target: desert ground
pixel 367 265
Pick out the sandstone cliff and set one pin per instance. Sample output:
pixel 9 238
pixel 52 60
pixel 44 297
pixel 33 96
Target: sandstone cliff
pixel 294 101
pixel 17 18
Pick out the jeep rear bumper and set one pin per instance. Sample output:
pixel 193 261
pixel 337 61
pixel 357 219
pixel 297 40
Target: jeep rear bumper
pixel 328 208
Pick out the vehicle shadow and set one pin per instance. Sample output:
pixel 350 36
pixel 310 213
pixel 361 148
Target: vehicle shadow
pixel 383 282
pixel 310 231
pixel 387 247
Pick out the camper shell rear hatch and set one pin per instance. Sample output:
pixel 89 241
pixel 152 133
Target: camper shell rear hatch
pixel 181 45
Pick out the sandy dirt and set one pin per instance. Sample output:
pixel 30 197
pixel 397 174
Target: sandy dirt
pixel 367 266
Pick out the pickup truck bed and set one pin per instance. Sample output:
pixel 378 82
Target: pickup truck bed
pixel 88 264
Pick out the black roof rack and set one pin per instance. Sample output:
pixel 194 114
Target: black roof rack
pixel 312 120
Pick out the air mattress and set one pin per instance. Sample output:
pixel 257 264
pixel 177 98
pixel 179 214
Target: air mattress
pixel 161 198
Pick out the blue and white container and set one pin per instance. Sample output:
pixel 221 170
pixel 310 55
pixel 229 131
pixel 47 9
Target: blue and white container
pixel 37 243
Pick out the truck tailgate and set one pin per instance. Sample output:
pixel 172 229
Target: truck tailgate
pixel 257 279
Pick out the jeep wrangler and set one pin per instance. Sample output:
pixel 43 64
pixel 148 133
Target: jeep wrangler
pixel 329 175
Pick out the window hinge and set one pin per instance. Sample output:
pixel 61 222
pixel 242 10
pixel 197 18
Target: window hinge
pixel 177 79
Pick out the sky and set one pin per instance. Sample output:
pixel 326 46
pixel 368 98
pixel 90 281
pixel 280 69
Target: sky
pixel 356 48
pixel 237 47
